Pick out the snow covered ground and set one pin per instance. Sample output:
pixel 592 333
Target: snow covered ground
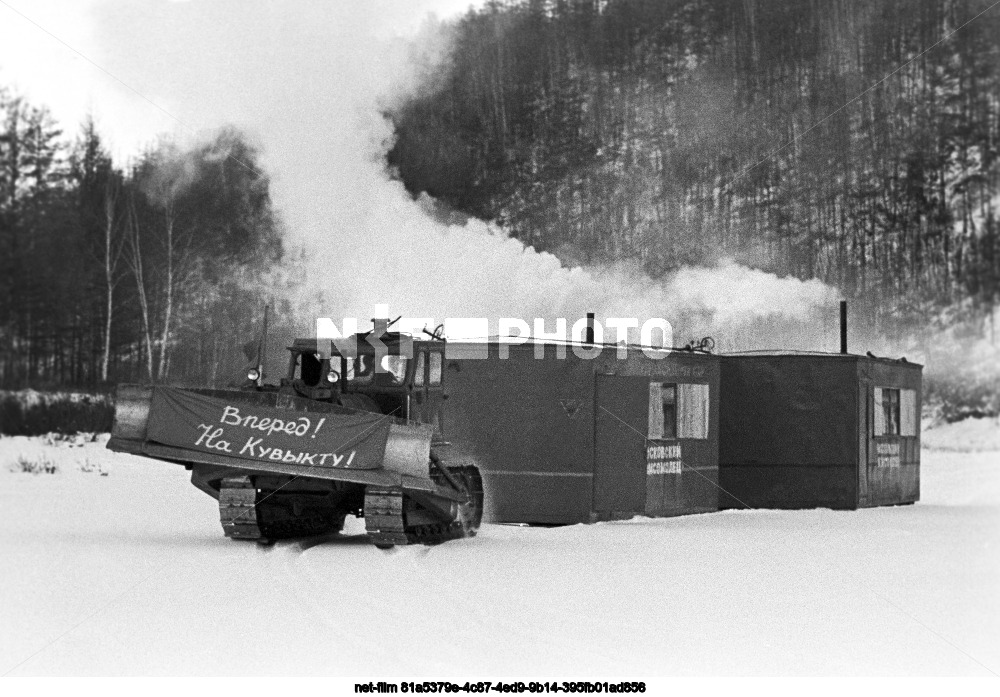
pixel 116 565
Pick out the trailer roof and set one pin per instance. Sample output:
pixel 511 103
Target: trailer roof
pixel 393 338
pixel 785 353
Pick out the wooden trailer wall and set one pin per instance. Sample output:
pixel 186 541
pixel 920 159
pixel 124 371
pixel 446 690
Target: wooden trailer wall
pixel 529 426
pixel 799 431
pixel 568 439
pixel 788 437
pixel 889 405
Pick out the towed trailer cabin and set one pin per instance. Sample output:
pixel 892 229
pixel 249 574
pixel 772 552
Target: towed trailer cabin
pixel 817 430
pixel 562 438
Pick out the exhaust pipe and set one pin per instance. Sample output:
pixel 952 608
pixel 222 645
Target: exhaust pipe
pixel 843 326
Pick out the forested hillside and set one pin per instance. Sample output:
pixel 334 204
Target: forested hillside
pixel 851 141
pixel 148 273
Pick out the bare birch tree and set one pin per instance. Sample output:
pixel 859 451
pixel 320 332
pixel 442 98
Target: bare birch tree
pixel 135 262
pixel 114 246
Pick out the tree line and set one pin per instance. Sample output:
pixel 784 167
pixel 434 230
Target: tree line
pixel 153 271
pixel 851 141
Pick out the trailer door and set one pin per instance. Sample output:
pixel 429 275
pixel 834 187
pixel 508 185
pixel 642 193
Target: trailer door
pixel 621 420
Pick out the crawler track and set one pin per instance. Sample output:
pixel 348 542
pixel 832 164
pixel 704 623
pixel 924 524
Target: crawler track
pixel 249 513
pixel 393 518
pixel 261 509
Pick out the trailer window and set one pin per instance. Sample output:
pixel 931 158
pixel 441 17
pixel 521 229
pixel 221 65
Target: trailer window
pixel 692 419
pixel 677 410
pixel 886 411
pixel 435 376
pixel 896 412
pixel 909 414
pixel 662 411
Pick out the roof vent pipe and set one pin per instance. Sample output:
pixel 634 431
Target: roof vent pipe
pixel 588 337
pixel 843 326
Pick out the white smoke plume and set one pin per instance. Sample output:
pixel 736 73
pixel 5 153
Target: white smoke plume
pixel 309 80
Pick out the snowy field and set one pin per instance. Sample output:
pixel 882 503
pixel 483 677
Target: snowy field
pixel 115 565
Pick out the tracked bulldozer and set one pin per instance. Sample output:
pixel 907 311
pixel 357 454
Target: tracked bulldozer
pixel 345 432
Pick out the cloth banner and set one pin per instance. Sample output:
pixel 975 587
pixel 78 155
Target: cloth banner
pixel 237 429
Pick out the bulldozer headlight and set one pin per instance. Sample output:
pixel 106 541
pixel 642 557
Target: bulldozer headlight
pixel 253 374
pixel 332 376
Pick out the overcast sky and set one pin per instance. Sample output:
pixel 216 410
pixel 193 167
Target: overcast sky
pixel 204 62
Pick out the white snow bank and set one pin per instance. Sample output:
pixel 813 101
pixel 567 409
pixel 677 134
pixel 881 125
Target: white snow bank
pixel 33 454
pixel 130 574
pixel 33 398
pixel 967 435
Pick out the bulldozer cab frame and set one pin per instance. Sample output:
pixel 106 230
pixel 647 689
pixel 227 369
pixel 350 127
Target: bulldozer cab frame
pixel 403 377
